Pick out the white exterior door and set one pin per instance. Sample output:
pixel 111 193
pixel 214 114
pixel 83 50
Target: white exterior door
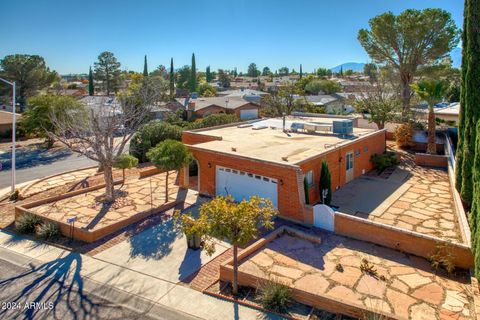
pixel 249 114
pixel 243 185
pixel 349 166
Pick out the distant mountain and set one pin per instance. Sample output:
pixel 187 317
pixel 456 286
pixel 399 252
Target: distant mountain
pixel 456 55
pixel 354 66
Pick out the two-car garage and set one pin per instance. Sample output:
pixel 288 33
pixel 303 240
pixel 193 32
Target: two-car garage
pixel 243 185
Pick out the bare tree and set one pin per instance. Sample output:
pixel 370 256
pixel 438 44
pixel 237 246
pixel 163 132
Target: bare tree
pixel 100 131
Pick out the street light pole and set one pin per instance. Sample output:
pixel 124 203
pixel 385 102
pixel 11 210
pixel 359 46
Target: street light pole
pixel 14 124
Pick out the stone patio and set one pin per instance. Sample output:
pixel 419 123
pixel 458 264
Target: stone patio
pixel 413 198
pixel 404 286
pixel 140 195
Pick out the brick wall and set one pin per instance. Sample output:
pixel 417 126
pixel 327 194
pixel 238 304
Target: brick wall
pixel 336 162
pixel 431 160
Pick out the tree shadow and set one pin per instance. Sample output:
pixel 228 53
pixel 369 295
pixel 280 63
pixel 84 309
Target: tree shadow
pixel 50 285
pixel 31 158
pixel 190 263
pixel 156 241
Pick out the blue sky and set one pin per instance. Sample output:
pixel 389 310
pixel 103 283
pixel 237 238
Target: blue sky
pixel 222 33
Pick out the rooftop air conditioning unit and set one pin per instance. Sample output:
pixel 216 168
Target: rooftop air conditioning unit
pixel 343 127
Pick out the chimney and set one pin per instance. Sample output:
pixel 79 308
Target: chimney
pixel 191 106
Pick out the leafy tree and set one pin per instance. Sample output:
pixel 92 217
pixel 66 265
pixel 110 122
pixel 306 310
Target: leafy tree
pixel 183 77
pixel 208 75
pixel 379 101
pixel 325 86
pixel 325 184
pixel 36 119
pixel 151 134
pixel 370 70
pixel 167 156
pixel 206 90
pixel 223 79
pixel 91 85
pixel 252 70
pixel 193 76
pixel 349 72
pixel 302 83
pixel 145 67
pixel 107 70
pixel 283 71
pixel 266 71
pixel 470 111
pixel 172 80
pixel 431 91
pixel 408 41
pixel 282 101
pixel 324 72
pixel 160 71
pixel 30 74
pixel 125 161
pixel 238 223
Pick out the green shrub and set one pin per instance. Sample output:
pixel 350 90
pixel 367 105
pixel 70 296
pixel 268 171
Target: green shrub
pixel 48 230
pixel 14 195
pixel 151 134
pixel 275 296
pixel 383 161
pixel 27 223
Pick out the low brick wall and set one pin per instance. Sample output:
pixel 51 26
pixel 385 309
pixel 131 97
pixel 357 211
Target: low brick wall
pixel 148 170
pixel 319 301
pixel 431 160
pixel 81 233
pixel 399 239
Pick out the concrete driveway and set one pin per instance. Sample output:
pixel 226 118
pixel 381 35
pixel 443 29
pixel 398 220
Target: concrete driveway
pixel 160 251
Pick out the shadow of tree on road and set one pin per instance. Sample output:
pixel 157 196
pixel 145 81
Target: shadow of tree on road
pixel 31 158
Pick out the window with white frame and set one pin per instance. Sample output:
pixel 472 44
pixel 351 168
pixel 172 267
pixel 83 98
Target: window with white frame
pixel 309 177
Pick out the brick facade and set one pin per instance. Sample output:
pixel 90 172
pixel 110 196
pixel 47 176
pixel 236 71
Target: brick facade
pixel 290 187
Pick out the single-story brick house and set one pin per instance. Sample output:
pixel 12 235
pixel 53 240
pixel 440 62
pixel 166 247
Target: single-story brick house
pixel 200 107
pixel 6 122
pixel 259 158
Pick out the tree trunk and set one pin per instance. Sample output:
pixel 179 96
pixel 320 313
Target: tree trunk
pixel 406 95
pixel 123 174
pixel 431 146
pixel 166 188
pixel 235 271
pixel 109 188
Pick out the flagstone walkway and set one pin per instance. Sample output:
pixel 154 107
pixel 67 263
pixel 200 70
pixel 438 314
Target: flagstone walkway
pixel 404 285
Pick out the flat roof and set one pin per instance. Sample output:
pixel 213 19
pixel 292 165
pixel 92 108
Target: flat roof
pixel 265 140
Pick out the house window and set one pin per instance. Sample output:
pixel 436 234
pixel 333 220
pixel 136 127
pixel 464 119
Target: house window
pixel 309 176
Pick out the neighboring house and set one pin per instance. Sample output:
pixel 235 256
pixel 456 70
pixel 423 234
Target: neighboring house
pixel 333 103
pixel 354 85
pixel 261 159
pixel 6 122
pixel 230 105
pixel 247 94
pixel 444 110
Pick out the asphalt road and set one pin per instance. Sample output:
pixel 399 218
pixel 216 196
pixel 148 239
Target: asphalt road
pixel 38 169
pixel 48 293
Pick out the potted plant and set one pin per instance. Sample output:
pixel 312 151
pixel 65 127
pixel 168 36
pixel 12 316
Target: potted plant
pixel 191 229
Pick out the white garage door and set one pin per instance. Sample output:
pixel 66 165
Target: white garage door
pixel 249 114
pixel 243 185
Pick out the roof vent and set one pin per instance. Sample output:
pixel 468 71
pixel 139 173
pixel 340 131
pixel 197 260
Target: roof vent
pixel 234 149
pixel 285 159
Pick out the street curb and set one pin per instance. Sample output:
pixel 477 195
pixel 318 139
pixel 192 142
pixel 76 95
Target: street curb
pixel 144 307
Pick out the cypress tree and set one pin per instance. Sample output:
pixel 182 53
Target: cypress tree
pixel 341 71
pixel 325 184
pixel 301 72
pixel 193 75
pixel 145 68
pixel 471 99
pixel 208 74
pixel 91 89
pixel 172 80
pixel 475 209
pixel 461 123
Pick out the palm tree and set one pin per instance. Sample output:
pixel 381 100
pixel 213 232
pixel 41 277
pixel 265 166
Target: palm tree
pixel 432 91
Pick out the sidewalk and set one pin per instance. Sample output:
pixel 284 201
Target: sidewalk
pixel 133 289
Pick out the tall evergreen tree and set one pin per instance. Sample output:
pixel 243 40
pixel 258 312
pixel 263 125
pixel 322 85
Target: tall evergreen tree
pixel 471 99
pixel 107 70
pixel 235 73
pixel 301 72
pixel 341 71
pixel 145 67
pixel 325 184
pixel 193 75
pixel 91 90
pixel 172 80
pixel 208 74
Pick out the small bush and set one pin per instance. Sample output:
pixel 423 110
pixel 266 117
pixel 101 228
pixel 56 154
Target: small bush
pixel 27 223
pixel 403 135
pixel 275 296
pixel 383 161
pixel 14 195
pixel 48 230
